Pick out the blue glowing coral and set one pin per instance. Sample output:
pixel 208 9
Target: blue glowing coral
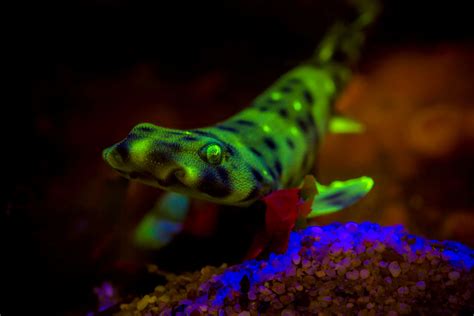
pixel 339 268
pixel 336 238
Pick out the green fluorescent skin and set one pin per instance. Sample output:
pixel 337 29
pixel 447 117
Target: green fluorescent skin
pixel 345 125
pixel 339 194
pixel 270 145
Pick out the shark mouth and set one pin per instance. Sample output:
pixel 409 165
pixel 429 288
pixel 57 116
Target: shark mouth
pixel 171 180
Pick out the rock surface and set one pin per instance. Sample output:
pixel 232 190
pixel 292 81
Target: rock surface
pixel 360 269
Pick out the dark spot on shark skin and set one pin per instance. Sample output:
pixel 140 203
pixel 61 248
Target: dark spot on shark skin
pixel 302 124
pixel 311 121
pixel 133 136
pixel 203 133
pixel 260 157
pixel 272 173
pixel 228 129
pixel 123 151
pixel 230 149
pixel 294 81
pixel 308 97
pixel 257 175
pixel 278 167
pixel 283 113
pixel 223 174
pixel 270 143
pixel 307 124
pixel 166 146
pixel 245 123
pixel 256 152
pixel 189 138
pixel 207 134
pixel 211 184
pixel 175 147
pixel 286 89
pixel 290 143
pixel 158 155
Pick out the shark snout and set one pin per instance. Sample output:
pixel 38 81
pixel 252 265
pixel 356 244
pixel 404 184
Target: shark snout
pixel 148 165
pixel 118 155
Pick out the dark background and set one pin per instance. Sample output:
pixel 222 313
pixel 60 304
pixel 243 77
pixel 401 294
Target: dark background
pixel 99 67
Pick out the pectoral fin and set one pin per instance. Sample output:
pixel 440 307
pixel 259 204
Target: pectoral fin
pixel 162 222
pixel 339 194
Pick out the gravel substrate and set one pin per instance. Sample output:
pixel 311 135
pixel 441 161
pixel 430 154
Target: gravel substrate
pixel 361 269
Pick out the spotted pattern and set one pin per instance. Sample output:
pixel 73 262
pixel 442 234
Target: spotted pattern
pixel 123 150
pixel 302 124
pixel 290 143
pixel 228 129
pixel 245 123
pixel 278 167
pixel 223 174
pixel 308 97
pixel 210 183
pixel 283 113
pixel 257 175
pixel 160 156
pixel 256 152
pixel 167 146
pixel 270 143
pixel 189 138
pixel 267 146
pixel 286 89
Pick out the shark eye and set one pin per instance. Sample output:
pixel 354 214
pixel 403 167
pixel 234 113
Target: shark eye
pixel 211 153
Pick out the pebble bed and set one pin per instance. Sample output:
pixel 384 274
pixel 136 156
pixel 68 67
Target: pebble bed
pixel 342 269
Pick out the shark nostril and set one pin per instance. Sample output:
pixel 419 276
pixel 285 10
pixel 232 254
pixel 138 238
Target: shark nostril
pixel 179 174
